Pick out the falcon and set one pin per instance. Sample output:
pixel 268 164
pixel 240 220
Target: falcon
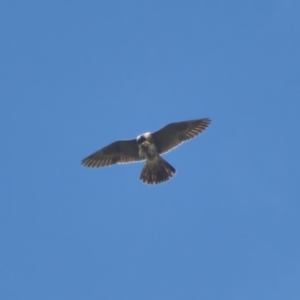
pixel 149 147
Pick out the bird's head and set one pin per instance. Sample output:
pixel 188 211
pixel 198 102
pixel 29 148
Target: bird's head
pixel 142 138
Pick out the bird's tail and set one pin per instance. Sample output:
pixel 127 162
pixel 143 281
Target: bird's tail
pixel 156 170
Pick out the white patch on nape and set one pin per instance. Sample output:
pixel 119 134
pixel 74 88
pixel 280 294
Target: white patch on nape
pixel 148 136
pixel 145 135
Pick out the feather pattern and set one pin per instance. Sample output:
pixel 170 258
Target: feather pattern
pixel 174 134
pixel 156 171
pixel 116 153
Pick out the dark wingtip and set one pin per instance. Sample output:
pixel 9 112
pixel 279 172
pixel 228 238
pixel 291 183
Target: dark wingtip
pixel 206 120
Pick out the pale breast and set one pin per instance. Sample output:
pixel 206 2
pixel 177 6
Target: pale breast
pixel 147 150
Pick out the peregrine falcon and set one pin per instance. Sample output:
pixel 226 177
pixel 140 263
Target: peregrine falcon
pixel 148 146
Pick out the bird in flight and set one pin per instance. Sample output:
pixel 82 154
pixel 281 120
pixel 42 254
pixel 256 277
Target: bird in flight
pixel 149 147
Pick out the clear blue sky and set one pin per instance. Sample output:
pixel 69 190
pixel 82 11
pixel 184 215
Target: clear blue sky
pixel 78 75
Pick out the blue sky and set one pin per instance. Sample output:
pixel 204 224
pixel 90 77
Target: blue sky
pixel 76 76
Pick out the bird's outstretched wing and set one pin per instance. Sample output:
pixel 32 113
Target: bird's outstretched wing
pixel 117 152
pixel 174 134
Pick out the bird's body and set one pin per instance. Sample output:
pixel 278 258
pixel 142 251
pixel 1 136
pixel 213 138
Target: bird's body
pixel 148 146
pixel 156 168
pixel 147 149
